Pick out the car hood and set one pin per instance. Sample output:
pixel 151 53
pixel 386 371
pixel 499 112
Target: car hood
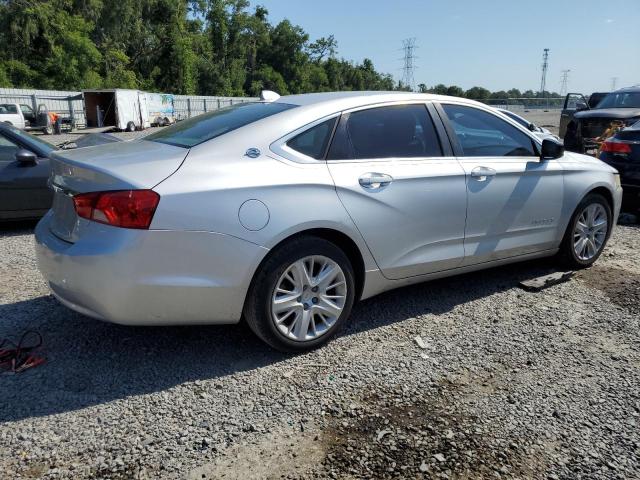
pixel 114 166
pixel 609 113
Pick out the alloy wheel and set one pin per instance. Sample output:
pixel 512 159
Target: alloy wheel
pixel 590 232
pixel 309 298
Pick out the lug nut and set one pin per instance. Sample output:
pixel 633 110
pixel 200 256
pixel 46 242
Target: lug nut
pixel 314 289
pixel 314 299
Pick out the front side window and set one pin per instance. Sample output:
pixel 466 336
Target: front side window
pixel 314 141
pixel 397 131
pixel 482 134
pixel 8 149
pixel 26 110
pixel 196 130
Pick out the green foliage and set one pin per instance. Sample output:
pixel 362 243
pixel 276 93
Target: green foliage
pixel 206 47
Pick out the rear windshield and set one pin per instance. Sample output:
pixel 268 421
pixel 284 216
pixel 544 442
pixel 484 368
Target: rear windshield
pixel 620 100
pixel 193 131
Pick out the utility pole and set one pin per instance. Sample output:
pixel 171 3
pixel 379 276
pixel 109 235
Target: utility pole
pixel 564 82
pixel 614 83
pixel 409 46
pixel 545 66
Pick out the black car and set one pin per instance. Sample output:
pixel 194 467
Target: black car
pixel 24 170
pixel 622 151
pixel 583 127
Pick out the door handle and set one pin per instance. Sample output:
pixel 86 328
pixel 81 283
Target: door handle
pixel 481 173
pixel 374 181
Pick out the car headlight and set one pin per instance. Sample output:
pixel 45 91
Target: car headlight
pixel 616 179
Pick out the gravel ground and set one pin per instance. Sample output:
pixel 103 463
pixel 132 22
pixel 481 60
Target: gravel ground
pixel 501 383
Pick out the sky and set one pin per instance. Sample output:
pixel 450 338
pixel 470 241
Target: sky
pixel 496 44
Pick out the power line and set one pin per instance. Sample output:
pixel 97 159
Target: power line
pixel 545 66
pixel 564 82
pixel 614 83
pixel 409 46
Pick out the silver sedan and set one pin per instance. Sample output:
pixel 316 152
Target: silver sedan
pixel 286 211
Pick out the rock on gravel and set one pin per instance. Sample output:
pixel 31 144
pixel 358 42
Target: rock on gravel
pixel 504 384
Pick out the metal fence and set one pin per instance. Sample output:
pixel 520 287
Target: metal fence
pixel 526 103
pixel 71 104
pixel 186 106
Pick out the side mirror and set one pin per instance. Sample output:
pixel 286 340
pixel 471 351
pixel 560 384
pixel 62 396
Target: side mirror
pixel 26 157
pixel 581 106
pixel 551 149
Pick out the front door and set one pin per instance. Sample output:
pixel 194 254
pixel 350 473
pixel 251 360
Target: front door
pixel 572 102
pixel 405 196
pixel 23 188
pixel 514 199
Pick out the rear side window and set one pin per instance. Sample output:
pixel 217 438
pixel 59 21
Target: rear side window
pixel 397 131
pixel 196 130
pixel 482 134
pixel 8 108
pixel 314 141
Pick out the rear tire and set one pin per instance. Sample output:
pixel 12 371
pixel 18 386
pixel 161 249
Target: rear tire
pixel 131 127
pixel 304 325
pixel 585 238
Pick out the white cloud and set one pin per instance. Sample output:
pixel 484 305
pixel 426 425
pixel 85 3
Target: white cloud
pixel 609 20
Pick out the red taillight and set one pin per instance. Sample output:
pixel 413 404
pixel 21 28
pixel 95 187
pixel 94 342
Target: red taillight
pixel 615 146
pixel 121 208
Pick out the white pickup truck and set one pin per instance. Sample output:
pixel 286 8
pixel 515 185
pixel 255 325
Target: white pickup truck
pixel 18 115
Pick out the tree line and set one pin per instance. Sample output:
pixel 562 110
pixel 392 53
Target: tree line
pixel 203 47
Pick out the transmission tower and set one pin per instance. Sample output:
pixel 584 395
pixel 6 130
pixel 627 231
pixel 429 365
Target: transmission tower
pixel 545 66
pixel 409 46
pixel 564 82
pixel 614 83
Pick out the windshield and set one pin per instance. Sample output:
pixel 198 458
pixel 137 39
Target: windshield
pixel 193 131
pixel 32 140
pixel 620 100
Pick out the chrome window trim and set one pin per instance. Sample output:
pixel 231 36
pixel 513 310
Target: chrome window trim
pixel 280 147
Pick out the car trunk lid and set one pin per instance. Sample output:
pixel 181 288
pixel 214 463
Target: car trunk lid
pixel 119 166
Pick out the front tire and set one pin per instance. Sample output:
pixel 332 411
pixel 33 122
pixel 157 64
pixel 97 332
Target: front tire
pixel 587 232
pixel 301 296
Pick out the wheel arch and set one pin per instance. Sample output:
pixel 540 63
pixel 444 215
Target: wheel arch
pixel 606 193
pixel 338 238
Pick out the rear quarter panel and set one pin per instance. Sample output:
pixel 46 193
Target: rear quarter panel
pixel 207 192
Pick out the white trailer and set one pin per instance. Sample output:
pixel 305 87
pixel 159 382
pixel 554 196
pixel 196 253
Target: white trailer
pixel 161 109
pixel 120 108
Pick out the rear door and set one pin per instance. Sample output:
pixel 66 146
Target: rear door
pixel 571 103
pixel 404 190
pixel 514 199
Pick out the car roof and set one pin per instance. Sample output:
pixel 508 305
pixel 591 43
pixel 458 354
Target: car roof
pixel 354 99
pixel 635 88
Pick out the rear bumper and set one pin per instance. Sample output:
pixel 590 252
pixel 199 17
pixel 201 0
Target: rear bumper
pixel 149 277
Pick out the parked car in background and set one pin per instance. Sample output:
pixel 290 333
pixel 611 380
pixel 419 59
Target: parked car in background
pixel 23 117
pixel 287 211
pixel 582 127
pixel 622 151
pixel 12 114
pixel 24 170
pixel 539 132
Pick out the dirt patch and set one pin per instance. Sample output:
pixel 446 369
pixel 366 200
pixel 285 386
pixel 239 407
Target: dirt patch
pixel 420 435
pixel 620 285
pixel 275 456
